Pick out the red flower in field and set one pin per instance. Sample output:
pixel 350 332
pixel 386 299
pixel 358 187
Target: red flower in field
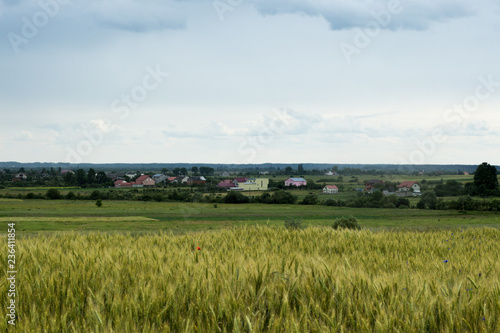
pixel 198 248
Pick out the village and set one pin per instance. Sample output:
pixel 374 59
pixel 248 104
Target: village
pixel 405 188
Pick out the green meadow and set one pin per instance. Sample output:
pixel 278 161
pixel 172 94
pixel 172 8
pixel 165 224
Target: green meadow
pixel 33 216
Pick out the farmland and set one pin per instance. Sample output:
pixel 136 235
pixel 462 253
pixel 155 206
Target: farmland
pixel 260 279
pixel 131 266
pixel 34 216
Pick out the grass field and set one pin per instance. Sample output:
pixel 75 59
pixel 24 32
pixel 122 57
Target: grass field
pixel 32 216
pixel 258 279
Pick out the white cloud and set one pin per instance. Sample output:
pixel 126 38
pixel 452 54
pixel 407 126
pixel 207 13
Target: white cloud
pixel 406 14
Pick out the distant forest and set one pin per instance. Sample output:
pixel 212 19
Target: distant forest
pixel 270 167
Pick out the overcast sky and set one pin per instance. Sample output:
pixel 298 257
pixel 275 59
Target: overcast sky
pixel 250 81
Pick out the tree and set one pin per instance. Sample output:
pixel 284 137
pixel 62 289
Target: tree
pixel 53 194
pixel 206 170
pixel 485 179
pixel 236 198
pixel 81 177
pixel 91 176
pixel 301 169
pixel 283 197
pixel 310 199
pixel 194 169
pixel 427 201
pixel 288 169
pixel 102 178
pixel 70 178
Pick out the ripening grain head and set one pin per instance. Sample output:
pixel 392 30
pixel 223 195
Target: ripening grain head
pixel 261 279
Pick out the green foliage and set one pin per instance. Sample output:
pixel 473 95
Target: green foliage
pixel 96 194
pixel 98 203
pixel 293 224
pixel 485 181
pixel 283 197
pixel 235 197
pixel 449 189
pixel 428 200
pixel 346 223
pixel 310 199
pixel 53 194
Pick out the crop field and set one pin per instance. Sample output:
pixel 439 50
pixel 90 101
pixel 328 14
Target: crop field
pixel 260 279
pixel 134 266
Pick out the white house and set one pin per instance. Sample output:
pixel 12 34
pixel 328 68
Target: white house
pixel 408 186
pixel 330 189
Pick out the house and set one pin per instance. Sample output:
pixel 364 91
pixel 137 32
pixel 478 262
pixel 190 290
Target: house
pixel 264 173
pixel 172 179
pixel 144 180
pixel 388 191
pixel 226 183
pixel 373 182
pixel 409 186
pixel 370 184
pixel 122 183
pixel 160 178
pixel 19 177
pixel 238 180
pixel 63 172
pixel 196 180
pixel 224 174
pixel 295 182
pixel 255 184
pixel 330 189
pixel 331 173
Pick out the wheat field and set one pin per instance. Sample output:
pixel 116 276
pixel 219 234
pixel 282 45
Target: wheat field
pixel 259 279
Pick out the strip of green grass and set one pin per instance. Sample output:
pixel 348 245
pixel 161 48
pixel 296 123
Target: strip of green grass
pixel 33 216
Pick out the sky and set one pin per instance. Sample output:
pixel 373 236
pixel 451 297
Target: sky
pixel 250 81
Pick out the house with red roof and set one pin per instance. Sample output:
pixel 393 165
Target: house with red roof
pixel 408 186
pixel 144 180
pixel 226 183
pixel 238 180
pixel 141 181
pixel 330 189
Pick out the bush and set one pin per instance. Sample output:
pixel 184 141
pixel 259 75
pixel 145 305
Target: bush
pixel 53 194
pixel 310 199
pixel 95 195
pixel 30 195
pixel 236 198
pixel 283 197
pixel 293 224
pixel 98 203
pixel 330 202
pixel 346 223
pixel 70 196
